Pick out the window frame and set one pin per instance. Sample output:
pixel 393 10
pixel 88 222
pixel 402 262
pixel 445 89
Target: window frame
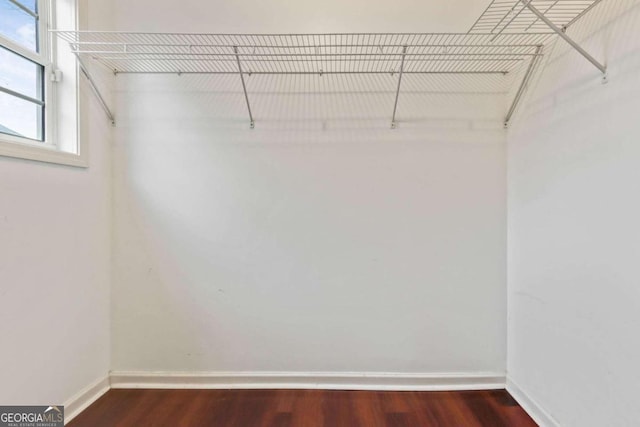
pixel 44 59
pixel 49 149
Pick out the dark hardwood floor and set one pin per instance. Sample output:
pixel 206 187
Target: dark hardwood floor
pixel 307 408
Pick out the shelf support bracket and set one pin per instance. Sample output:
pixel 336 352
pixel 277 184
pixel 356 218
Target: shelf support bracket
pixel 395 106
pixel 244 87
pixel 96 91
pixel 523 86
pixel 565 37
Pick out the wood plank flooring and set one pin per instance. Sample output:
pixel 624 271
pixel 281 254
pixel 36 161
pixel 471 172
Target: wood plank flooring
pixel 305 408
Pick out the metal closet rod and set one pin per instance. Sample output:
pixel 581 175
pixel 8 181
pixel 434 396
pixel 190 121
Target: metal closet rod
pixel 510 58
pixel 303 55
pixel 314 73
pixel 315 46
pixel 273 35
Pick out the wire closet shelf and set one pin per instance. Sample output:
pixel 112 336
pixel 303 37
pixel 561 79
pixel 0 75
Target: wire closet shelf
pixel 305 53
pixel 514 16
pixel 508 37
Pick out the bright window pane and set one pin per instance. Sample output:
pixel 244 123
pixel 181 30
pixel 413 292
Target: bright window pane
pixel 20 118
pixel 20 74
pixel 17 25
pixel 29 4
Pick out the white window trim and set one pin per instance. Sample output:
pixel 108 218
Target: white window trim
pixel 47 151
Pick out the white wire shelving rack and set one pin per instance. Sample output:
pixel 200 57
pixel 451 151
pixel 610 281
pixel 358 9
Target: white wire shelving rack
pixel 508 37
pixel 514 16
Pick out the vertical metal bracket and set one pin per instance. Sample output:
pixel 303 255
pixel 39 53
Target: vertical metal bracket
pixel 565 37
pixel 95 90
pixel 395 106
pixel 244 87
pixel 523 86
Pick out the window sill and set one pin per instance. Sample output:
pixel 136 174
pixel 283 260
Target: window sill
pixel 41 154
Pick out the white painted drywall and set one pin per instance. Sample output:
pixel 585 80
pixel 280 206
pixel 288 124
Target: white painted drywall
pixel 55 226
pixel 298 16
pixel 321 240
pixel 574 239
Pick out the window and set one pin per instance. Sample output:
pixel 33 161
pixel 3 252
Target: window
pixel 25 62
pixel 39 117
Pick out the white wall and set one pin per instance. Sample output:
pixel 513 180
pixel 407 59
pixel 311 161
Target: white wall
pixel 298 16
pixel 321 240
pixel 55 267
pixel 574 240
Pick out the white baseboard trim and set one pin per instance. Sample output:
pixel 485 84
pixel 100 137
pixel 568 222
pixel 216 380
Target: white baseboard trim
pixel 283 380
pixel 308 380
pixel 86 397
pixel 535 411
